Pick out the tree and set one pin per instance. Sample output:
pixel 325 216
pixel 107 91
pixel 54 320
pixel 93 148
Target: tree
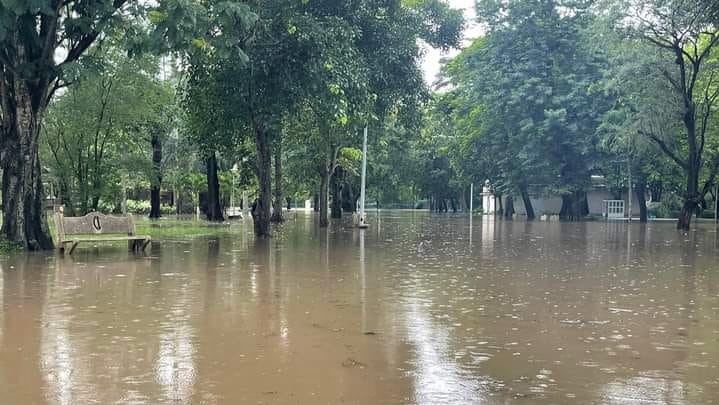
pixel 643 103
pixel 686 34
pixel 278 203
pixel 525 103
pixel 96 131
pixel 31 34
pixel 160 97
pixel 387 44
pixel 211 125
pixel 203 34
pixel 41 42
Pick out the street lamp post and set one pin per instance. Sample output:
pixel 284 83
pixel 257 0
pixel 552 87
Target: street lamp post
pixel 629 192
pixel 362 221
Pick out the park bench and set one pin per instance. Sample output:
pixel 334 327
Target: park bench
pixel 97 227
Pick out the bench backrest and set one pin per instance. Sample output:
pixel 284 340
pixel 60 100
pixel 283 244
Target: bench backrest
pixel 93 223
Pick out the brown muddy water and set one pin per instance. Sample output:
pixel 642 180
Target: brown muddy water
pixel 418 309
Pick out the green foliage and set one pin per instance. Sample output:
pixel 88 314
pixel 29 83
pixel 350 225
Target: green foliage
pixel 524 107
pixel 142 207
pixel 7 247
pixel 316 73
pixel 97 133
pixel 199 29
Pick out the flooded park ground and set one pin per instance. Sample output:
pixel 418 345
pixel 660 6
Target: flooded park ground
pixel 418 309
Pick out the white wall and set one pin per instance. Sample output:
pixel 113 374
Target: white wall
pixel 552 205
pixel 541 205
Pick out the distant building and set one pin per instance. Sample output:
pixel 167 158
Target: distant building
pixel 599 199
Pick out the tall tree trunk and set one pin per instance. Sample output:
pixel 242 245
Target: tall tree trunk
pixel 261 210
pixel 84 194
pixel 123 200
pixel 277 205
pixel 324 190
pixel 325 177
pixel 656 189
pixel 528 208
pixel 574 206
pixel 24 220
pixel 509 210
pixel 691 198
pixel 336 191
pixel 214 208
pixel 156 180
pixel 641 192
pixel 694 156
pixel 685 216
pixel 349 196
pixel 65 199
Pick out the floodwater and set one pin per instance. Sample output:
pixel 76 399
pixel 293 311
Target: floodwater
pixel 418 309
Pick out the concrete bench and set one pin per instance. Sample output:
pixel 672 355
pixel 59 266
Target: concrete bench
pixel 97 227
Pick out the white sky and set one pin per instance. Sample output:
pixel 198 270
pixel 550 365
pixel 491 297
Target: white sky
pixel 433 57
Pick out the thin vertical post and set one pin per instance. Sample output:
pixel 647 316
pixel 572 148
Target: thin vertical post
pixel 471 198
pixel 629 194
pixel 716 205
pixel 364 177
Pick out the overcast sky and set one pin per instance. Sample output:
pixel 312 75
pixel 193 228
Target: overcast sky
pixel 433 56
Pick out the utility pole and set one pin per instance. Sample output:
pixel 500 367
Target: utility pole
pixel 629 192
pixel 471 198
pixel 362 221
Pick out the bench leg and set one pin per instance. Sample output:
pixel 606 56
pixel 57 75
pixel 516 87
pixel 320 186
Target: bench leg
pixel 132 245
pixel 145 242
pixel 73 245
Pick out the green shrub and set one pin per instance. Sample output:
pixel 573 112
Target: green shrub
pixel 167 210
pixel 9 247
pixel 143 208
pixel 138 207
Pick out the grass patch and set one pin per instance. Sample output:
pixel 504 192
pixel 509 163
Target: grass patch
pixel 7 246
pixel 163 228
pixel 181 229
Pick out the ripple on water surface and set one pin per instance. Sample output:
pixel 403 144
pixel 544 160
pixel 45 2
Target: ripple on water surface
pixel 418 309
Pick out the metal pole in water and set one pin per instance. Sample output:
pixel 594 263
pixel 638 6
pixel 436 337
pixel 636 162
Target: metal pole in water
pixel 716 205
pixel 471 198
pixel 629 188
pixel 362 223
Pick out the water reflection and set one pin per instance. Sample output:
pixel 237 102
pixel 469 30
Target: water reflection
pixel 24 288
pixel 658 389
pixel 2 302
pixel 541 312
pixel 438 378
pixel 363 279
pixel 174 363
pixel 488 224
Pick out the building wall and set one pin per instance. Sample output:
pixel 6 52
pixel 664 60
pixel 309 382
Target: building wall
pixel 596 198
pixel 541 205
pixel 552 205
